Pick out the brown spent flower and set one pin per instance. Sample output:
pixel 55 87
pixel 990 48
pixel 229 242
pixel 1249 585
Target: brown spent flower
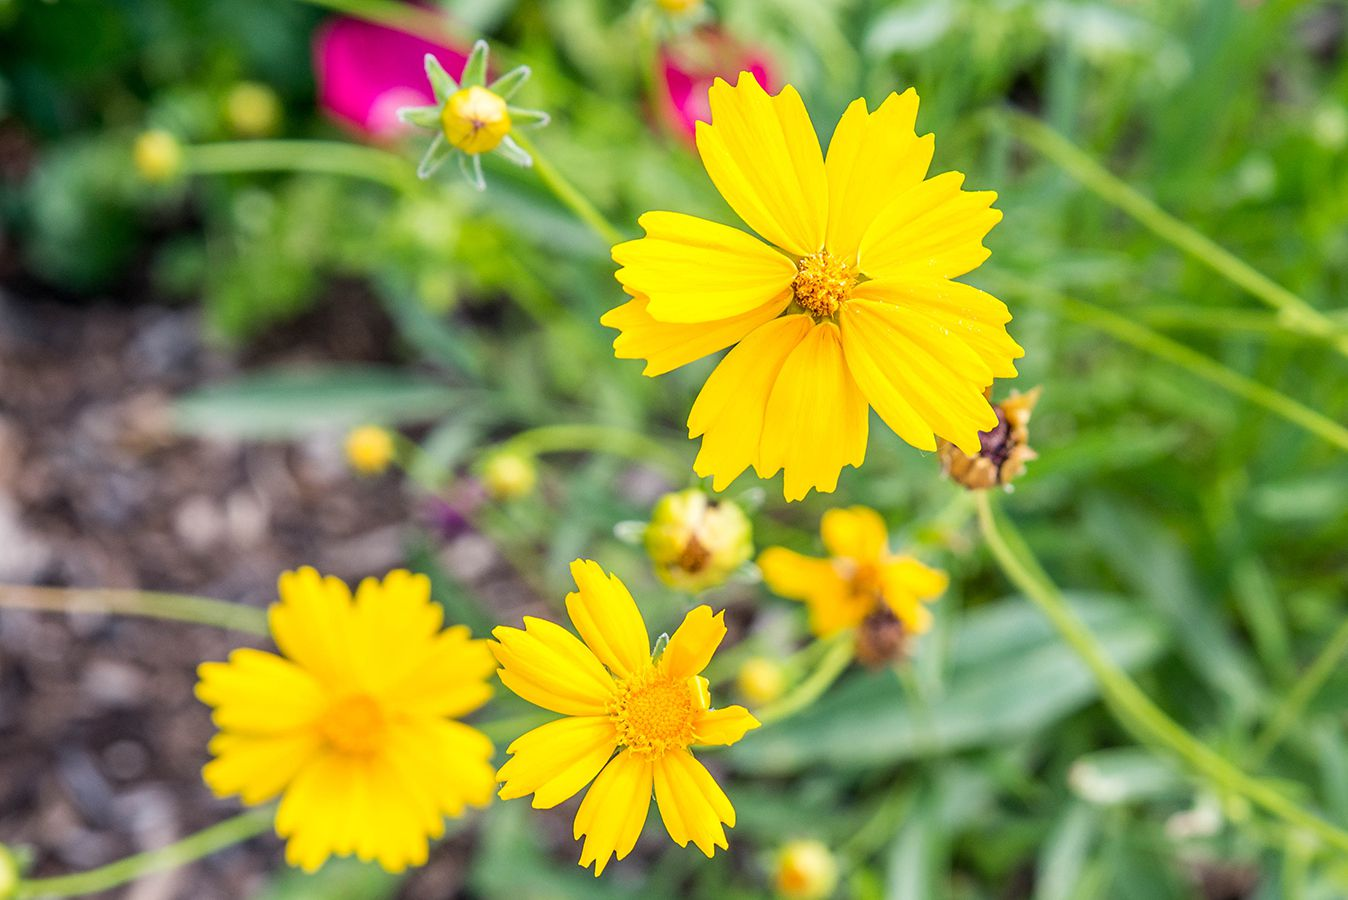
pixel 1005 449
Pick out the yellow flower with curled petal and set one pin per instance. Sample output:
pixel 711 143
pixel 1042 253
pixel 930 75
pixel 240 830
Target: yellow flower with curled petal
pixel 846 303
pixel 353 726
pixel 629 720
pixel 860 578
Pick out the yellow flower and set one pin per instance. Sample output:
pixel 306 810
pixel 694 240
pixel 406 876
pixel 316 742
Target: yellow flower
pixel 806 870
pixel 760 680
pixel 861 578
pixel 369 449
pixel 849 303
pixel 157 155
pixel 696 541
pixel 354 724
pixel 630 719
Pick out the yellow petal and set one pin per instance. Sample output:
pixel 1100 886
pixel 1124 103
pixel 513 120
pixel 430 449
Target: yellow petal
pixel 856 532
pixel 729 410
pixel 723 726
pixel 693 270
pixel 450 763
pixel 872 158
pixel 763 156
pixel 976 318
pixel 549 667
pixel 934 229
pixel 614 810
pixel 913 372
pixel 694 642
pixel 835 611
pixel 692 804
pixel 791 574
pixel 607 617
pixel 312 624
pixel 393 622
pixel 257 768
pixel 904 575
pixel 315 813
pixel 556 760
pixel 448 677
pixel 260 693
pixel 816 418
pixel 667 345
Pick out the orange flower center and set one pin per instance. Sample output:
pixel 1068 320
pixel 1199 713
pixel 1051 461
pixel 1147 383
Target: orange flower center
pixel 823 283
pixel 354 725
pixel 654 715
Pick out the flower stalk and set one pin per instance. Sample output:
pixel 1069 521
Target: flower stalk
pixel 191 848
pixel 322 157
pixel 147 604
pixel 835 661
pixel 569 195
pixel 1129 704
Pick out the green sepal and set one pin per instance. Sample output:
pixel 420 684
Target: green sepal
pixel 475 70
pixel 435 157
pixel 442 85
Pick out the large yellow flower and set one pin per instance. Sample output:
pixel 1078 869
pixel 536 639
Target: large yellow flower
pixel 860 578
pixel 849 303
pixel 353 726
pixel 629 720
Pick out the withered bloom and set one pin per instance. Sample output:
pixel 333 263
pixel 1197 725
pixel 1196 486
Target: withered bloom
pixel 1005 449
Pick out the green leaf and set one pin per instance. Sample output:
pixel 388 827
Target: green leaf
pixel 285 403
pixel 1010 676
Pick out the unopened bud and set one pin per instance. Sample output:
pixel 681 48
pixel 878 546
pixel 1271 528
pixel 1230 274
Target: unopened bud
pixel 760 680
pixel 369 449
pixel 508 475
pixel 475 120
pixel 696 541
pixel 157 155
pixel 806 870
pixel 252 109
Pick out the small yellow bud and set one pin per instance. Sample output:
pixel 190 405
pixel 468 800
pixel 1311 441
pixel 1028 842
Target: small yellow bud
pixel 508 475
pixel 157 155
pixel 9 873
pixel 252 109
pixel 679 7
pixel 369 449
pixel 760 680
pixel 475 120
pixel 696 542
pixel 806 870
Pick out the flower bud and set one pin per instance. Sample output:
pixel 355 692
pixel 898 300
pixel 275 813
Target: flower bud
pixel 760 680
pixel 806 870
pixel 157 155
pixel 1005 449
pixel 508 475
pixel 369 449
pixel 680 7
pixel 696 541
pixel 475 120
pixel 252 109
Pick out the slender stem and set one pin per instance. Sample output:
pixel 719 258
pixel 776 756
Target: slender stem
pixel 1204 367
pixel 193 847
pixel 1296 313
pixel 1134 710
pixel 594 438
pixel 567 193
pixel 150 604
pixel 405 17
pixel 834 663
pixel 325 157
pixel 1300 695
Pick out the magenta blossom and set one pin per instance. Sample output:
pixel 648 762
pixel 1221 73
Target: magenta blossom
pixel 686 69
pixel 366 72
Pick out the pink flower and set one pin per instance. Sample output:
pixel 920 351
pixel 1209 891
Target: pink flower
pixel 366 72
pixel 686 69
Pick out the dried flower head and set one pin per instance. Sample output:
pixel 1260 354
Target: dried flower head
pixel 697 541
pixel 1003 452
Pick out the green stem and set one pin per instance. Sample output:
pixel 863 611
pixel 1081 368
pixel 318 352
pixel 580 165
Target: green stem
pixel 1134 710
pixel 567 193
pixel 1296 313
pixel 1204 367
pixel 193 847
pixel 325 157
pixel 833 664
pixel 593 439
pixel 1300 695
pixel 150 604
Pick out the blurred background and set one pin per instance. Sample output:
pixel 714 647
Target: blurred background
pixel 187 335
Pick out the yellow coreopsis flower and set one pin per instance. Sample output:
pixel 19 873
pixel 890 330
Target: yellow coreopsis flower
pixel 353 726
pixel 847 302
pixel 860 578
pixel 630 720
